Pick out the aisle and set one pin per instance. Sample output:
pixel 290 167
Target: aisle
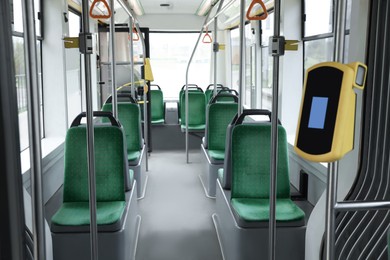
pixel 176 215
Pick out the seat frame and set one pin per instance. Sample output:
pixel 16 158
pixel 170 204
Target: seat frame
pixel 252 243
pixel 121 245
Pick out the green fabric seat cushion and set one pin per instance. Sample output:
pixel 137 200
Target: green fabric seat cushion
pixel 217 154
pixel 133 155
pixel 75 217
pixel 220 175
pixel 251 210
pixel 194 127
pixel 158 121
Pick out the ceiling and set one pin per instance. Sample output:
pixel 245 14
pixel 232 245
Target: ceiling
pixel 176 6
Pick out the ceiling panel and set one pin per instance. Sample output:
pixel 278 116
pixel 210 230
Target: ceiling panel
pixel 176 6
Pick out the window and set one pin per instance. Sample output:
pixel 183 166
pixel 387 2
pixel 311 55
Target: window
pixel 318 34
pixel 250 68
pixel 18 21
pixel 73 70
pixel 319 19
pixel 20 70
pixel 170 53
pixel 266 63
pixel 235 57
pixel 317 51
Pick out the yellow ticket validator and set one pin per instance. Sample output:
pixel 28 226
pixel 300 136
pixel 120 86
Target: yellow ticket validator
pixel 325 130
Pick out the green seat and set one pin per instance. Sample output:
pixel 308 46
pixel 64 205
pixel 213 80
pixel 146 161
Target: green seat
pixel 210 91
pixel 158 109
pixel 251 144
pixel 196 111
pixel 110 167
pixel 77 213
pixel 130 117
pixel 191 88
pixel 218 118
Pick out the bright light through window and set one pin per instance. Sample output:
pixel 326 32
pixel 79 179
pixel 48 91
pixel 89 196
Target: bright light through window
pixel 170 53
pixel 318 17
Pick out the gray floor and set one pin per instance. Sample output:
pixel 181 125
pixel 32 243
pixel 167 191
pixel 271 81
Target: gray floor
pixel 176 215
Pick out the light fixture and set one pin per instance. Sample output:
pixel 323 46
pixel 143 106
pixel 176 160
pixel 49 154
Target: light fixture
pixel 205 7
pixel 166 5
pixel 137 7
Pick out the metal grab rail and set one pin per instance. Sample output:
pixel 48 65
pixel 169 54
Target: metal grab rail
pixel 274 137
pixel 221 11
pixel 146 121
pixel 113 63
pixel 131 25
pixel 339 24
pixel 126 7
pixel 216 49
pixel 186 85
pixel 86 35
pixel 34 130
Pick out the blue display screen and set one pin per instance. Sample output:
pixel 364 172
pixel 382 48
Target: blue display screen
pixel 318 112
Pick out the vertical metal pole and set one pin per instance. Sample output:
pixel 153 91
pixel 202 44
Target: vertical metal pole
pixel 90 137
pixel 339 23
pixel 331 199
pixel 216 49
pixel 242 56
pixel 186 90
pixel 274 140
pixel 131 25
pixel 146 121
pixel 113 61
pixel 215 56
pixel 12 220
pixel 30 44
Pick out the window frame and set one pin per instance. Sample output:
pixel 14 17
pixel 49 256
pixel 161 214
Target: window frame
pixel 318 36
pixel 39 39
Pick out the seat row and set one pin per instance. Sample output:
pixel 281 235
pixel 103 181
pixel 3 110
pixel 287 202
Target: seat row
pixel 119 150
pixel 117 215
pixel 198 102
pixel 236 151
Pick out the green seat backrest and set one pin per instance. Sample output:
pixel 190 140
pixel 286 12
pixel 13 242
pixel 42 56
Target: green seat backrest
pixel 209 95
pixel 251 146
pixel 130 117
pixel 157 104
pixel 219 117
pixel 110 164
pixel 196 108
pixel 181 94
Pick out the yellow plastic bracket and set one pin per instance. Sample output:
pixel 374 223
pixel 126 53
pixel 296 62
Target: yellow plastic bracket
pixel 148 71
pixel 71 42
pixel 98 16
pixel 261 17
pixel 291 45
